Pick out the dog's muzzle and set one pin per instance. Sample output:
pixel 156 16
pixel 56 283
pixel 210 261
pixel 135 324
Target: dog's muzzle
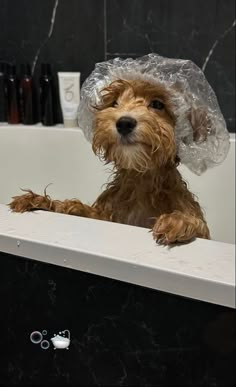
pixel 125 125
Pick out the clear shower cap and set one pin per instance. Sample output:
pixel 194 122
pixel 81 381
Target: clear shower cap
pixel 201 135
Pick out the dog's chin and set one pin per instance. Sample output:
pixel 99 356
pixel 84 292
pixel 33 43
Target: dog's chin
pixel 131 156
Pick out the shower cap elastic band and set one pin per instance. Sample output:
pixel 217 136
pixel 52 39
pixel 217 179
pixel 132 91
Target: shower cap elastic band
pixel 201 135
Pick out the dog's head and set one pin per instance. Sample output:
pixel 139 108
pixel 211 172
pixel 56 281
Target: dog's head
pixel 152 111
pixel 134 126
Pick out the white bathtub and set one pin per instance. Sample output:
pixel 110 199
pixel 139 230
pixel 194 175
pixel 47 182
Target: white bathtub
pixel 32 157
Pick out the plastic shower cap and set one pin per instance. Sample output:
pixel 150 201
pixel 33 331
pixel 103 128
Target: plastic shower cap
pixel 201 135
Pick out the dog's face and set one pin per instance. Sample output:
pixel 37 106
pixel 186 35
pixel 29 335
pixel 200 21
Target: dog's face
pixel 134 126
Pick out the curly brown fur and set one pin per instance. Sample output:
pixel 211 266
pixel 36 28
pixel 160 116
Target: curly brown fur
pixel 147 189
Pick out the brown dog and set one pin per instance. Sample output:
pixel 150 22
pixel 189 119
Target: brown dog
pixel 134 129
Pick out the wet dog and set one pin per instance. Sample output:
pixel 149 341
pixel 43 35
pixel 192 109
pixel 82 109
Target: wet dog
pixel 134 130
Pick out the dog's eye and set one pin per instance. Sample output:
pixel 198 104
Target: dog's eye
pixel 155 104
pixel 114 104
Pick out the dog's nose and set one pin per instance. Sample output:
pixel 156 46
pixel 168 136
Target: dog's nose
pixel 125 125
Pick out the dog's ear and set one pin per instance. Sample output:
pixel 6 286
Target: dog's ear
pixel 201 124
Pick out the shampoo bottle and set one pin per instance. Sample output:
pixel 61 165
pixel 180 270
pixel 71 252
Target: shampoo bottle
pixel 12 88
pixel 27 96
pixel 47 96
pixel 3 105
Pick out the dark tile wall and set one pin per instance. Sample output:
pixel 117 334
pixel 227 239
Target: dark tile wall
pixel 75 34
pixel 68 34
pixel 121 334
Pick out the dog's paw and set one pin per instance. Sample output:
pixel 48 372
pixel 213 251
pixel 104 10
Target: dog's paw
pixel 29 202
pixel 178 227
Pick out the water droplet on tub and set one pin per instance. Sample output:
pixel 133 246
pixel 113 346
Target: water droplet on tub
pixel 18 243
pixel 36 337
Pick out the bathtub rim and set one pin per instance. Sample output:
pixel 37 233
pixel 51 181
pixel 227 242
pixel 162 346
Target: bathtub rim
pixel 167 270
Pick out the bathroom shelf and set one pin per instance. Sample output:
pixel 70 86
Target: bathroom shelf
pixel 37 126
pixel 202 270
pixel 61 127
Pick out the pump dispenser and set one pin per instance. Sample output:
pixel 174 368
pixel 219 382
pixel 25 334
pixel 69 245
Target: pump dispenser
pixel 3 104
pixel 27 94
pixel 12 88
pixel 47 96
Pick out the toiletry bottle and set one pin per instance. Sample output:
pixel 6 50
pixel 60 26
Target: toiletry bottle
pixel 47 96
pixel 3 102
pixel 12 87
pixel 69 86
pixel 27 96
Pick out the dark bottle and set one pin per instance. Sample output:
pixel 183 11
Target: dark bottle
pixel 27 96
pixel 3 100
pixel 47 96
pixel 12 88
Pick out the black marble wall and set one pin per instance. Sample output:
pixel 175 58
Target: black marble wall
pixel 75 34
pixel 121 334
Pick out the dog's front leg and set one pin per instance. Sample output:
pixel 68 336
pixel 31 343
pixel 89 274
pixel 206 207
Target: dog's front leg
pixel 178 226
pixel 32 202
